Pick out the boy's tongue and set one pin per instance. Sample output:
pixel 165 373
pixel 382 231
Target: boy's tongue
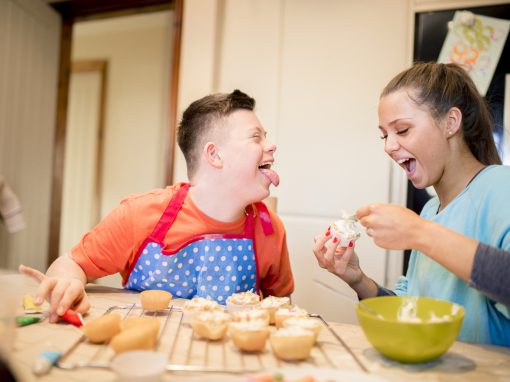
pixel 272 176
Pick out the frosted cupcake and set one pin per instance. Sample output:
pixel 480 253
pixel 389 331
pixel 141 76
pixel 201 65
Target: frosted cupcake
pixel 292 343
pixel 210 325
pixel 271 305
pixel 287 312
pixel 255 314
pixel 249 336
pixel 305 323
pixel 242 300
pixel 346 229
pixel 197 305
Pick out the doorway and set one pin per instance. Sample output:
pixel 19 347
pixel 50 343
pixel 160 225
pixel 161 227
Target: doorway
pixel 108 147
pixel 83 155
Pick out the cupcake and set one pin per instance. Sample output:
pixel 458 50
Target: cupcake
pixel 306 323
pixel 272 303
pixel 249 336
pixel 292 343
pixel 210 325
pixel 197 305
pixel 145 321
pixel 346 229
pixel 287 312
pixel 247 315
pixel 154 300
pixel 242 300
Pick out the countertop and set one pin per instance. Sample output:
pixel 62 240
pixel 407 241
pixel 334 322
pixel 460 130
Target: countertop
pixel 342 353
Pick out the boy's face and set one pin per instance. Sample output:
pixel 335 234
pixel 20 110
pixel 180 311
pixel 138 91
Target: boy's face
pixel 247 157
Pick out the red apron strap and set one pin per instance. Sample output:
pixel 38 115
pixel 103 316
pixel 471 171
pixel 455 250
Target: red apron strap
pixel 172 209
pixel 265 218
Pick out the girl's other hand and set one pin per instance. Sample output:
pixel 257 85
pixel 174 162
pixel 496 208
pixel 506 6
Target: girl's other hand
pixel 341 261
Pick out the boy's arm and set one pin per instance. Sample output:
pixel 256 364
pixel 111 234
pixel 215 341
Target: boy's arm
pixel 63 286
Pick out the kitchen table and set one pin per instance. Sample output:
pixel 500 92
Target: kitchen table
pixel 340 354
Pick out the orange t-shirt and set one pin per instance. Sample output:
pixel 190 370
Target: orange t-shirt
pixel 112 245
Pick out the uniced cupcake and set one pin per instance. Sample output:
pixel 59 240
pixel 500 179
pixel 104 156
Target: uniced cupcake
pixel 292 343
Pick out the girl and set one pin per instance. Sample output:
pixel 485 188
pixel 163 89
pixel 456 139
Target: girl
pixel 436 126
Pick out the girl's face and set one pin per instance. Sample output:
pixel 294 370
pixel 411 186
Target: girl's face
pixel 413 139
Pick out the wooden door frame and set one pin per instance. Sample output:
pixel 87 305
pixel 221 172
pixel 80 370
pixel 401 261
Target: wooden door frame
pixel 77 10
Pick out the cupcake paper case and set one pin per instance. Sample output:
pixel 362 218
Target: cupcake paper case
pixel 346 229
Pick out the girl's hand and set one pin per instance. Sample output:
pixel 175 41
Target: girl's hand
pixel 340 261
pixel 391 226
pixel 61 292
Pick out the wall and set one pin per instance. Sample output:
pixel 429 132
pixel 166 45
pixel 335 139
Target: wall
pixel 316 72
pixel 29 47
pixel 138 52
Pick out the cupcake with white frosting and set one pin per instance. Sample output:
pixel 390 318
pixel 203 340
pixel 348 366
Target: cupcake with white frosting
pixel 306 323
pixel 248 315
pixel 272 304
pixel 287 312
pixel 346 229
pixel 249 336
pixel 199 304
pixel 210 325
pixel 242 300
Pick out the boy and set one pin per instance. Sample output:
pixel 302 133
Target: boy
pixel 211 237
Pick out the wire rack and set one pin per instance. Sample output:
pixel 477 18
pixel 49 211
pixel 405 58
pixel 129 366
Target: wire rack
pixel 187 352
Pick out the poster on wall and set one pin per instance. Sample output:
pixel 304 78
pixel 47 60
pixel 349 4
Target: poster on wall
pixel 475 42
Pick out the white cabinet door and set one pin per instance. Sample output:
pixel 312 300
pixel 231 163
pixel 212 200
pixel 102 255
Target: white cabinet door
pixel 336 58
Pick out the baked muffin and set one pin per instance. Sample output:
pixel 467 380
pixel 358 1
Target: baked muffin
pixel 255 314
pixel 137 337
pixel 249 335
pixel 197 305
pixel 242 300
pixel 286 312
pixel 272 303
pixel 146 321
pixel 306 323
pixel 102 329
pixel 292 343
pixel 210 325
pixel 154 300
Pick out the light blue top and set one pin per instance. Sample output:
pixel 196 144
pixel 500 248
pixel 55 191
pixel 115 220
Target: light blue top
pixel 481 211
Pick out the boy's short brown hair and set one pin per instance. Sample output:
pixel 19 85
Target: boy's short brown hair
pixel 201 116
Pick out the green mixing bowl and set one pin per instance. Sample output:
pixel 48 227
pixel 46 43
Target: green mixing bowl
pixel 410 329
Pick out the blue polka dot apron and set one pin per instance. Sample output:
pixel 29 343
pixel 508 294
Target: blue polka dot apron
pixel 212 266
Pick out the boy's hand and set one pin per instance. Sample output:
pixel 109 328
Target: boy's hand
pixel 61 292
pixel 340 261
